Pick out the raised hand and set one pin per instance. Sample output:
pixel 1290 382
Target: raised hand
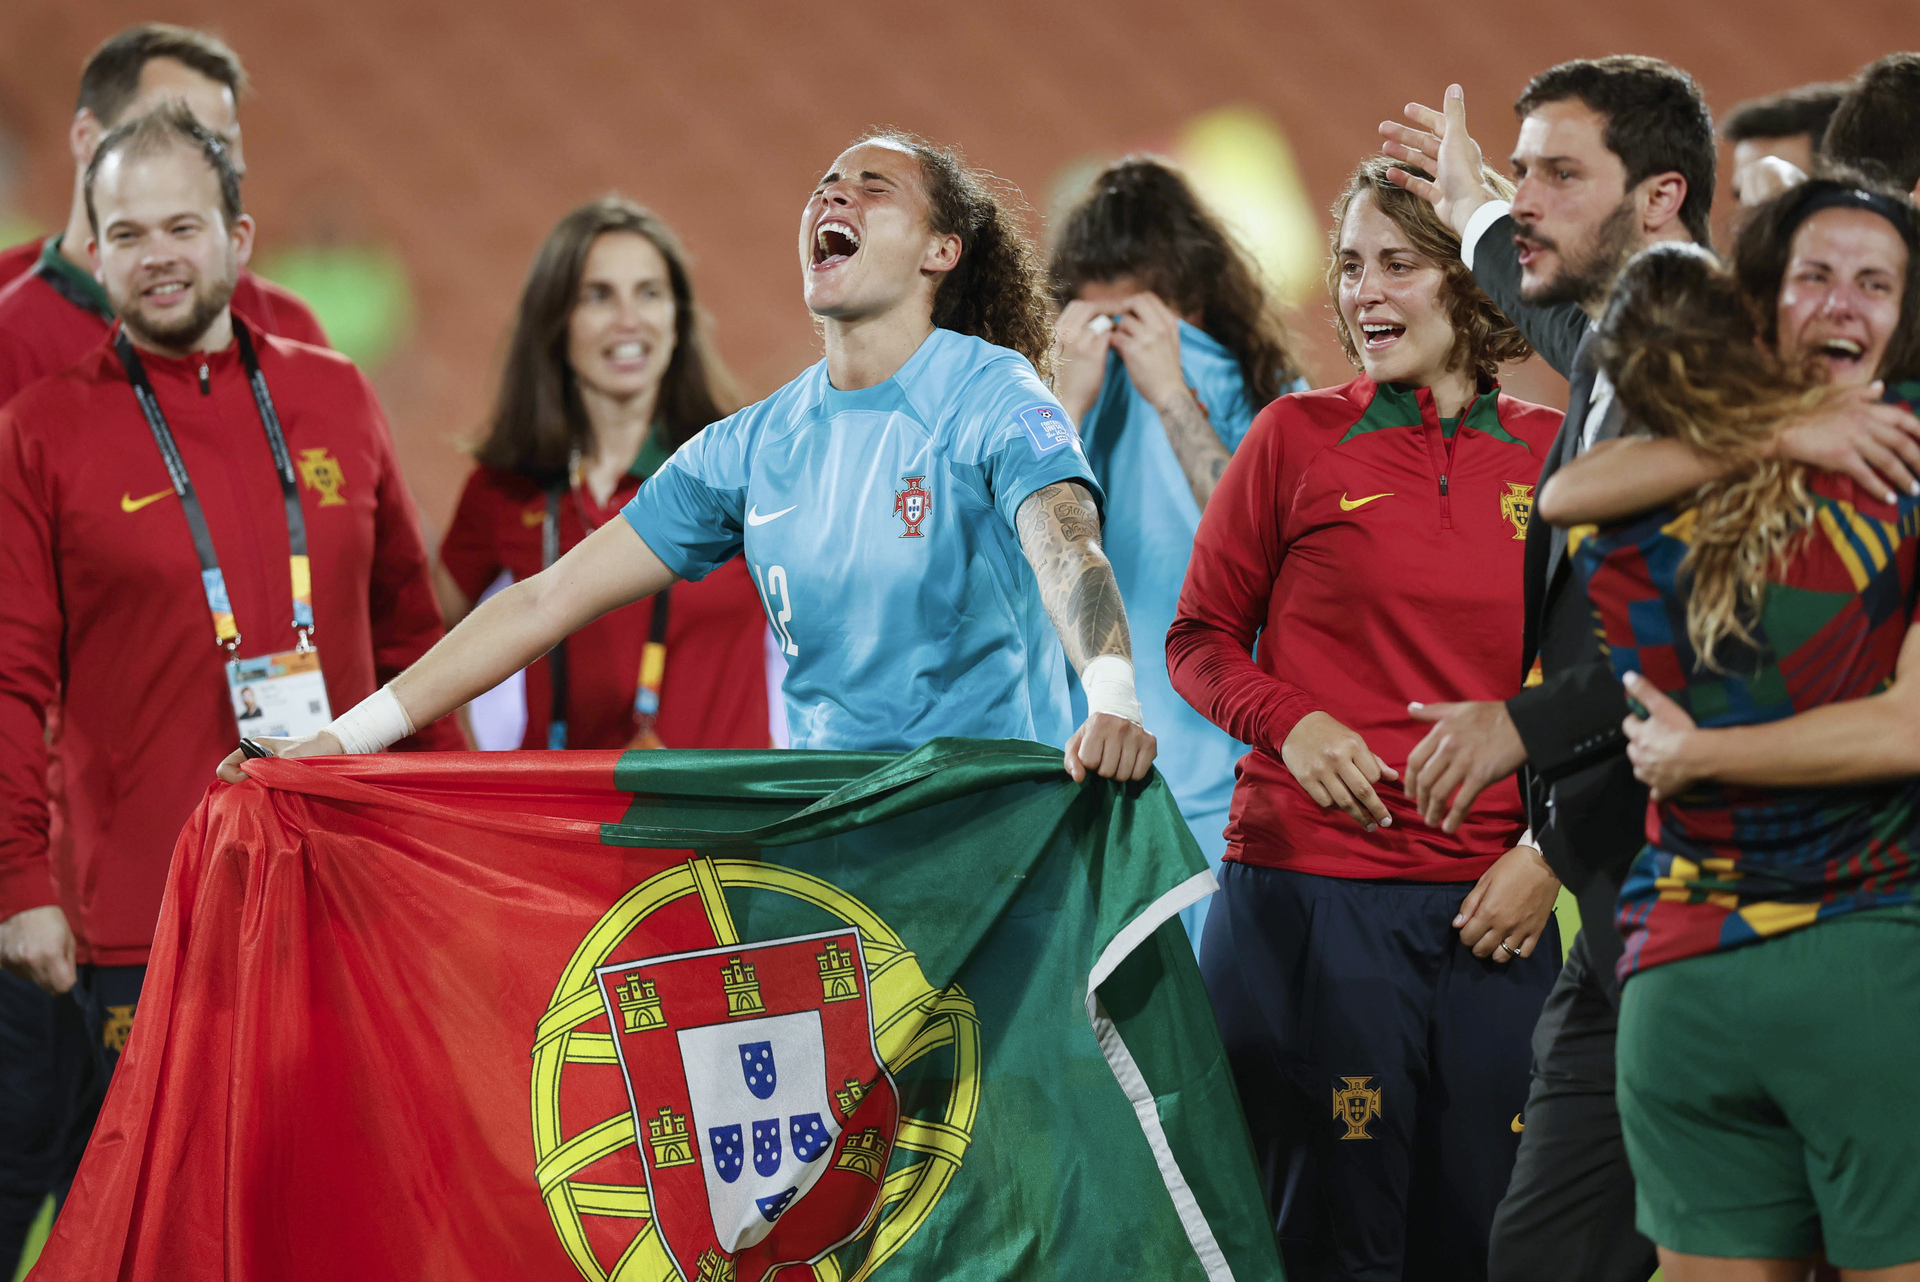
pixel 1439 143
pixel 1147 336
pixel 1080 357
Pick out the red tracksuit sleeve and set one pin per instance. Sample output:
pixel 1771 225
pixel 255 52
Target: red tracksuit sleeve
pixel 469 552
pixel 30 626
pixel 1224 602
pixel 401 610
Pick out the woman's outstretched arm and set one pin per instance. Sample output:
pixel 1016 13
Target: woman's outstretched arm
pixel 608 569
pixel 1874 442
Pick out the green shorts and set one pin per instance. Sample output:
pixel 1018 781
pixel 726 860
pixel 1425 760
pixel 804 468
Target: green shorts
pixel 1770 1095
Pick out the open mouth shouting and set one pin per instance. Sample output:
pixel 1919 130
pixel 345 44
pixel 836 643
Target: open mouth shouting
pixel 835 241
pixel 1377 335
pixel 1842 355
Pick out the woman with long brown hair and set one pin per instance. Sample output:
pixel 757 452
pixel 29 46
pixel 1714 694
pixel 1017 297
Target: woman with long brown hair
pixel 608 371
pixel 1364 551
pixel 1762 614
pixel 914 508
pixel 1167 347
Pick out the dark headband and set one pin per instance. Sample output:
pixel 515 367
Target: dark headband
pixel 1898 212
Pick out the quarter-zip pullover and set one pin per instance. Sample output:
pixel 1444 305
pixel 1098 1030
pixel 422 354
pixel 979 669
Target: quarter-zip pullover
pixel 1375 561
pixel 103 606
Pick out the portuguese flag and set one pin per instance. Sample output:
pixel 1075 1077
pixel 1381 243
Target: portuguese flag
pixel 710 1016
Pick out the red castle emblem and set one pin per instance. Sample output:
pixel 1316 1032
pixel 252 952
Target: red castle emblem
pixel 912 505
pixel 765 1120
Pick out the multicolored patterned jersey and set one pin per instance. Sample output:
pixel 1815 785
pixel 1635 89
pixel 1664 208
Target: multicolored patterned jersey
pixel 1725 865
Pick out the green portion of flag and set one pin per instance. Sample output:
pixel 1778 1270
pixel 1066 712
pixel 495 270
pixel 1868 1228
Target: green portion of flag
pixel 1094 1137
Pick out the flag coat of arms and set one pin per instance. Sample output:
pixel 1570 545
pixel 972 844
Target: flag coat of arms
pixel 673 1016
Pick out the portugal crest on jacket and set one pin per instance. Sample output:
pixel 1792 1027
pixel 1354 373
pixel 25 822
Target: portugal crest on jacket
pixel 1516 506
pixel 912 505
pixel 757 1090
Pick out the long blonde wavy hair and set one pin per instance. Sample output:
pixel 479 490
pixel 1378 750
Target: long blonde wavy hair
pixel 1681 342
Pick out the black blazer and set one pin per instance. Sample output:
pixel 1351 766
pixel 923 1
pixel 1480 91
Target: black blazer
pixel 1588 811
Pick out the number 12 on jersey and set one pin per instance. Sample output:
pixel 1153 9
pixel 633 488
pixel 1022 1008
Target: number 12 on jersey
pixel 773 586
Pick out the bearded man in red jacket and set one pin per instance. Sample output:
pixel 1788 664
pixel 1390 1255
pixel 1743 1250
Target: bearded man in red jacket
pixel 198 520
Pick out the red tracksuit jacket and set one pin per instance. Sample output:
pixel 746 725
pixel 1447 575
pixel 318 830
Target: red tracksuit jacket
pixel 100 598
pixel 716 628
pixel 1376 563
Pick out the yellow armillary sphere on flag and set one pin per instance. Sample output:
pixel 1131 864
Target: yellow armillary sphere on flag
pixel 669 1042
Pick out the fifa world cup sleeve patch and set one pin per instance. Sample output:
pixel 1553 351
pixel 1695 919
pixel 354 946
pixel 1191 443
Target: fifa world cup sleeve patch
pixel 1047 428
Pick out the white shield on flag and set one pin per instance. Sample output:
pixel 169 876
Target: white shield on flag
pixel 760 1117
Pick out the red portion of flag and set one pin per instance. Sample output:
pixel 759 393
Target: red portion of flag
pixel 324 1100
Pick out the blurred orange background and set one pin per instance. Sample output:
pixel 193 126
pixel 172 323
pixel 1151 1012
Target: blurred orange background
pixel 407 156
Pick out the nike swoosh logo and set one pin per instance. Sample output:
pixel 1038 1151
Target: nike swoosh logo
pixel 1347 504
pixel 754 517
pixel 1517 1124
pixel 130 504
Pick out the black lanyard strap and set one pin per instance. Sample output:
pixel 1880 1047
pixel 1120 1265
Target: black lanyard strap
pixel 212 578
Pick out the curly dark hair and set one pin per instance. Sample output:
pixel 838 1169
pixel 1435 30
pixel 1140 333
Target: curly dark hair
pixel 1764 246
pixel 1484 338
pixel 538 418
pixel 993 292
pixel 1143 220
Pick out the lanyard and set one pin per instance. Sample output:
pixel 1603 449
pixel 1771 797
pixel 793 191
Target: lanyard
pixel 653 656
pixel 212 581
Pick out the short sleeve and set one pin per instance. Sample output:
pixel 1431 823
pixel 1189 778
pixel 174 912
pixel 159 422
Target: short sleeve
pixel 691 512
pixel 1020 437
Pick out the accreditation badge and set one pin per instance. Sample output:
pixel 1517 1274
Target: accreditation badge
pixel 279 696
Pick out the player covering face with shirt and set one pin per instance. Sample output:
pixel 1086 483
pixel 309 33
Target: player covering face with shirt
pixel 914 509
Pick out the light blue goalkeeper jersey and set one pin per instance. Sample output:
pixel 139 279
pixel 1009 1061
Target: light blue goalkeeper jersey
pixel 879 526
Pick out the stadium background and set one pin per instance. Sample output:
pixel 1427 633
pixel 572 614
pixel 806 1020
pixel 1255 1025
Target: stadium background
pixel 406 156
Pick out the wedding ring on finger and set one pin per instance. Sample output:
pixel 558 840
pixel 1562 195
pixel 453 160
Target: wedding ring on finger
pixel 1512 952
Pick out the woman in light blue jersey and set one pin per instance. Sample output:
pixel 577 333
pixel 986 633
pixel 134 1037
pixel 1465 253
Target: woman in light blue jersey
pixel 916 509
pixel 1167 347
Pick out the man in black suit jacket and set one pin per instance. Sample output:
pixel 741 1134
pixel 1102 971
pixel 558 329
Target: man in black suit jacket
pixel 1613 155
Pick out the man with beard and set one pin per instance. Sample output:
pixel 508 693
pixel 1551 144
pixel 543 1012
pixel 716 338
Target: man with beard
pixel 1614 154
pixel 196 506
pixel 52 311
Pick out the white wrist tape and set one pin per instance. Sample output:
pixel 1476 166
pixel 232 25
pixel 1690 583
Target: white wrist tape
pixel 1526 839
pixel 1108 681
pixel 374 724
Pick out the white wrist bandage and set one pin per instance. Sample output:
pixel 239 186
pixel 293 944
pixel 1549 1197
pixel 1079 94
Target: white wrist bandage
pixel 374 724
pixel 1108 681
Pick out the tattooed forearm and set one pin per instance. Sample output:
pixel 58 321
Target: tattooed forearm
pixel 1202 457
pixel 1059 530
